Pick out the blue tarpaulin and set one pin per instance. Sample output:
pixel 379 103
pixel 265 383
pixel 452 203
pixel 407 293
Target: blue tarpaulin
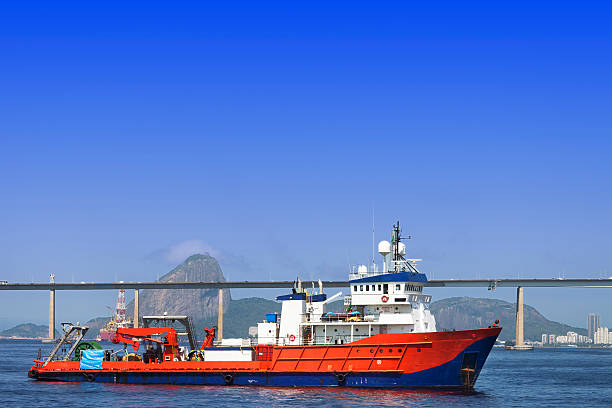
pixel 92 359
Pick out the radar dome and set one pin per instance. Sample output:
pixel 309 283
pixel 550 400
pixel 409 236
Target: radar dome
pixel 384 248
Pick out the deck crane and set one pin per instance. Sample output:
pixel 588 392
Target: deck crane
pixel 133 337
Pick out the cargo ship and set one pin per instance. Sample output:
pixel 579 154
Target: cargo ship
pixel 384 336
pixel 118 320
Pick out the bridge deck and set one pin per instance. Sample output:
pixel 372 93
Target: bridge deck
pixel 465 283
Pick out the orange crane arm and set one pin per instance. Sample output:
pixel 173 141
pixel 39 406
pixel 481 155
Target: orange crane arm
pixel 133 336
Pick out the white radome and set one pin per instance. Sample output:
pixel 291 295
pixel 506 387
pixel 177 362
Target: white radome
pixel 384 248
pixel 401 247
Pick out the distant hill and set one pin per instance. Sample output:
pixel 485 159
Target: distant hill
pixel 28 330
pixel 95 325
pixel 462 313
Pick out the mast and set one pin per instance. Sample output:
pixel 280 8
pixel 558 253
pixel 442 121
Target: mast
pixel 120 309
pixel 395 240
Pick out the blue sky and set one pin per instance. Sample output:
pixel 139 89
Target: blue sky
pixel 265 134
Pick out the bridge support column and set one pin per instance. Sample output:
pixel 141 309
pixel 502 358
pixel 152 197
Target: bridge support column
pixel 52 314
pixel 220 319
pixel 136 307
pixel 520 333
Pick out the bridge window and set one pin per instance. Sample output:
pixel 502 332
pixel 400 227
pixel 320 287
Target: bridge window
pixel 367 288
pixel 379 288
pixel 355 288
pixel 398 287
pixel 361 288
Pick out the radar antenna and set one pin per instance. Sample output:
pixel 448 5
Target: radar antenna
pixel 398 258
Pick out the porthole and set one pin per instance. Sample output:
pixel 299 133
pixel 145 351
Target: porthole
pixel 371 350
pixel 382 351
pixel 390 350
pixel 399 350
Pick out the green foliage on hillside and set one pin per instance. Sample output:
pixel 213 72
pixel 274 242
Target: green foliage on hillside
pixel 27 330
pixel 462 313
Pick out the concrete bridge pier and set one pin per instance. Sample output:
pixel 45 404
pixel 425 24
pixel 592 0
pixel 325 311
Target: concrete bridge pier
pixel 220 318
pixel 136 307
pixel 52 314
pixel 520 324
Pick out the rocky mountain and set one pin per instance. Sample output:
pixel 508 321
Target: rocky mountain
pixel 200 304
pixel 28 330
pixel 466 313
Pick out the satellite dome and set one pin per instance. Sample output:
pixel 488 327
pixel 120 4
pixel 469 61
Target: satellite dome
pixel 384 248
pixel 401 247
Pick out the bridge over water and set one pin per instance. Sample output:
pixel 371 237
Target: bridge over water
pixel 452 283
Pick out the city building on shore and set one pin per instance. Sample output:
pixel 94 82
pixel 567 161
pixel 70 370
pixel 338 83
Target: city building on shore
pixel 592 325
pixel 602 335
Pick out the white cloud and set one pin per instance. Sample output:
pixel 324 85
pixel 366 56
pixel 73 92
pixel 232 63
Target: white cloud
pixel 177 253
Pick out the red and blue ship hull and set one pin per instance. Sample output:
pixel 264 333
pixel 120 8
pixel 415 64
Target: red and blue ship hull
pixel 451 359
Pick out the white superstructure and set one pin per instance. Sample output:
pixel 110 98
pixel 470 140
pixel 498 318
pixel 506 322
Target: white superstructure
pixel 384 301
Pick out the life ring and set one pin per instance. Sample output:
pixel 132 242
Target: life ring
pixel 385 298
pixel 89 377
pixel 341 378
pixel 229 379
pixel 291 337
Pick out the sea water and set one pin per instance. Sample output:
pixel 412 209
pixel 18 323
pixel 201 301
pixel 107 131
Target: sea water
pixel 539 378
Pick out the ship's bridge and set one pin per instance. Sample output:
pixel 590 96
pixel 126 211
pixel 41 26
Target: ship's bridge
pixel 388 288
